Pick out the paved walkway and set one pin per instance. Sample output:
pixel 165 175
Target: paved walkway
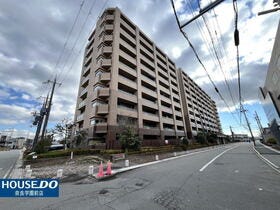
pixel 269 153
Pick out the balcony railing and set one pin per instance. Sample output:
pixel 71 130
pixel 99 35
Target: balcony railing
pixel 84 91
pixel 80 117
pixel 82 104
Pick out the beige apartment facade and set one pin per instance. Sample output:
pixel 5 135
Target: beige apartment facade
pixel 127 79
pixel 200 111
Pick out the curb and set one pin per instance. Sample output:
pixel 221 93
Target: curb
pixel 272 165
pixel 13 168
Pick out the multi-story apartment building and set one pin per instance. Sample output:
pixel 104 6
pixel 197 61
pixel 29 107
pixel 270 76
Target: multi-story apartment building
pixel 200 111
pixel 127 79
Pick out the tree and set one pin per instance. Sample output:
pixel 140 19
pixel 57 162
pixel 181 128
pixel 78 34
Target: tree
pixel 201 138
pixel 43 145
pixel 61 129
pixel 129 139
pixel 184 143
pixel 212 138
pixel 79 137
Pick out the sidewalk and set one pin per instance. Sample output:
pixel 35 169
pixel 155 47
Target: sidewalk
pixel 268 153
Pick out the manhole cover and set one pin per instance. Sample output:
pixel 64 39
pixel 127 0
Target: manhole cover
pixel 102 192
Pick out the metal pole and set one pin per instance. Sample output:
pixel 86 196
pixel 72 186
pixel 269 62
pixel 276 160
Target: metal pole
pixel 202 11
pixel 48 108
pixel 39 126
pixel 248 124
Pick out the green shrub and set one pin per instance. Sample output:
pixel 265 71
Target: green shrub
pixel 42 146
pixel 271 141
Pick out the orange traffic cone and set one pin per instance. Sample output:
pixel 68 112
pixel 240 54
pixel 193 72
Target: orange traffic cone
pixel 100 171
pixel 109 168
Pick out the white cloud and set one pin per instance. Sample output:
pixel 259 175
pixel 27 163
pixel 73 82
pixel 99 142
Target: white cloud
pixel 26 97
pixel 29 51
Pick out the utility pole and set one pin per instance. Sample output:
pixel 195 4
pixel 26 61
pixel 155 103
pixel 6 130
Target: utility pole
pixel 248 124
pixel 48 110
pixel 259 124
pixel 39 121
pixel 232 134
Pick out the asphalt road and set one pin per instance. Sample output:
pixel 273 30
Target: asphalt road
pixel 224 178
pixel 7 160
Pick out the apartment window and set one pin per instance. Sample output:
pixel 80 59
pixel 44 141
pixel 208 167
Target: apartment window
pixel 95 121
pixel 127 51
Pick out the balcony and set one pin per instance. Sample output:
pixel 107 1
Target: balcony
pixel 168 120
pixel 150 116
pixel 126 45
pixel 84 81
pixel 83 92
pixel 103 92
pixel 80 117
pixel 128 26
pixel 128 57
pixel 108 27
pixel 152 73
pixel 127 82
pixel 149 92
pixel 101 128
pixel 148 80
pixel 107 49
pixel 102 109
pixel 149 103
pixel 179 122
pixel 125 111
pixel 109 17
pixel 179 114
pixel 105 63
pixel 128 69
pixel 165 90
pixel 82 104
pixel 129 37
pixel 144 58
pixel 127 96
pixel 166 109
pixel 107 38
pixel 146 43
pixel 87 61
pixel 105 77
pixel 165 99
pixel 86 71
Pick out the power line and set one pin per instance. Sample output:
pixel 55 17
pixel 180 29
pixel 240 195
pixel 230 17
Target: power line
pixel 78 37
pixel 68 36
pixel 236 42
pixel 82 46
pixel 198 58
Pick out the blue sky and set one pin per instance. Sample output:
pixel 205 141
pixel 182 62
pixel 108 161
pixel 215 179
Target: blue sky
pixel 33 34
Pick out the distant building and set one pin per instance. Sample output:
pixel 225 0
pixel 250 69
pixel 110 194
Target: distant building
pixel 127 80
pixel 270 93
pixel 241 137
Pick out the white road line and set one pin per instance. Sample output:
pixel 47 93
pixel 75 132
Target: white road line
pixel 272 149
pixel 266 160
pixel 219 155
pixel 7 173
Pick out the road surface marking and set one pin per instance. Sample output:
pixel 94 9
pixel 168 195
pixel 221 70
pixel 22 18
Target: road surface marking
pixel 260 189
pixel 272 165
pixel 219 155
pixel 7 173
pixel 236 171
pixel 272 149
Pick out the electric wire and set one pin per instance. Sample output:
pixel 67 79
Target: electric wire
pixel 198 58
